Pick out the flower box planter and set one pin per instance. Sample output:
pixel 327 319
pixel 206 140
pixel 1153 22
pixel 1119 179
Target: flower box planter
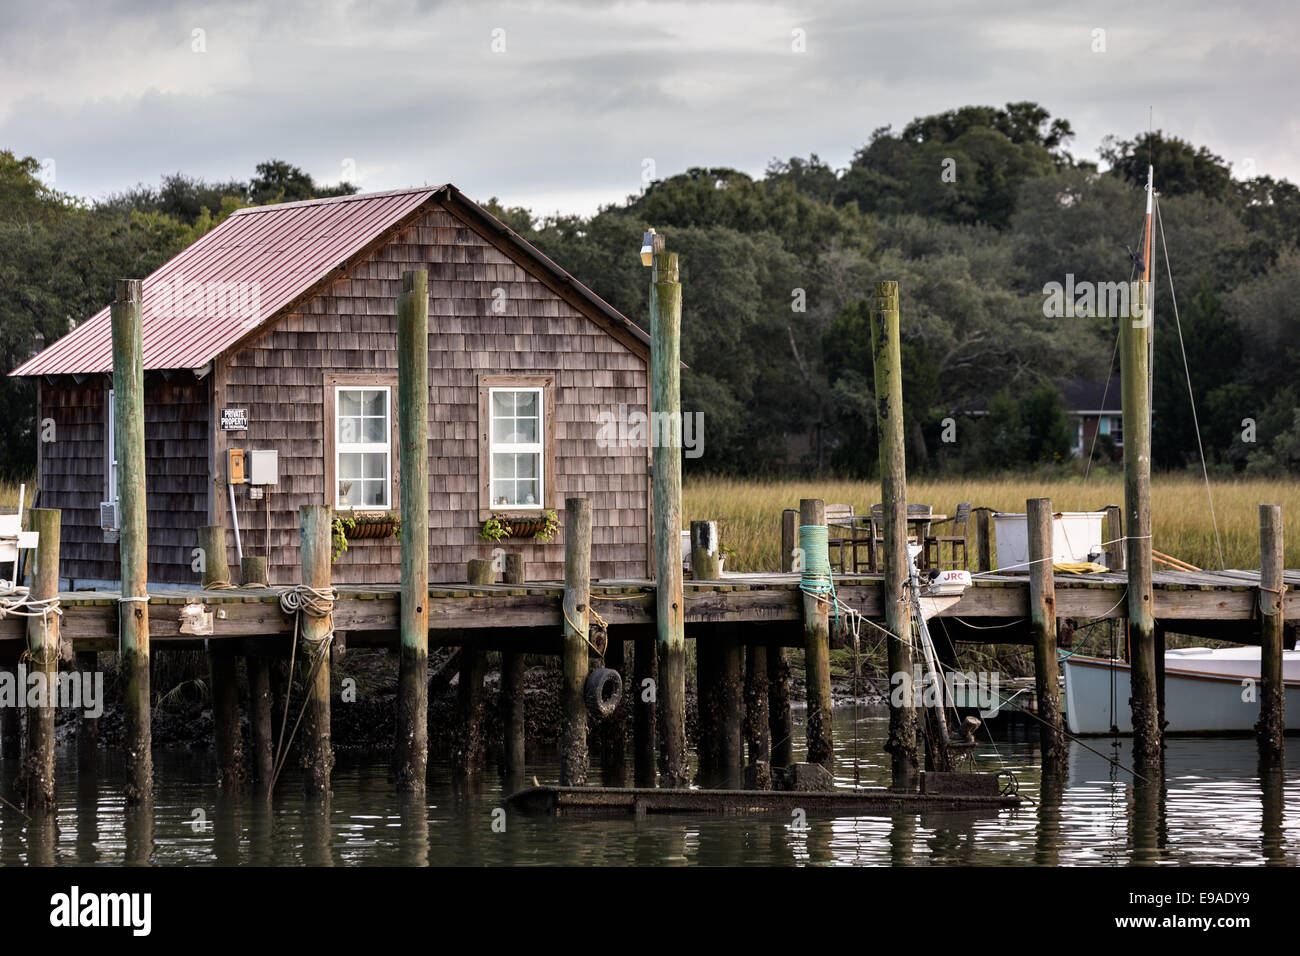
pixel 371 529
pixel 525 527
pixel 539 527
pixel 349 527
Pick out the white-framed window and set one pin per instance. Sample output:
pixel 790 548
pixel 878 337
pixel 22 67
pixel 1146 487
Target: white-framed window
pixel 110 452
pixel 1117 429
pixel 516 447
pixel 363 456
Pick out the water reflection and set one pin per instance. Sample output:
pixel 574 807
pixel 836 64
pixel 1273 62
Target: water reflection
pixel 1213 803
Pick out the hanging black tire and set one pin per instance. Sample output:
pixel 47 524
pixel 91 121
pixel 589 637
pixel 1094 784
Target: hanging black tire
pixel 603 691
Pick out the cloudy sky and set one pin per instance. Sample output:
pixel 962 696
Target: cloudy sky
pixel 562 106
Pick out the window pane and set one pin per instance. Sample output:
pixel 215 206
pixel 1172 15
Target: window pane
pixel 503 492
pixel 503 403
pixel 350 465
pixel 525 466
pixel 349 492
pixel 374 430
pixel 374 403
pixel 503 466
pixel 350 430
pixel 526 404
pixel 524 430
pixel 501 428
pixel 349 403
pixel 526 492
pixel 376 465
pixel 373 493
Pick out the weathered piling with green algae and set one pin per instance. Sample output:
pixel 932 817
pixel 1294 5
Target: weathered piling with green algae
pixel 665 391
pixel 886 353
pixel 411 741
pixel 133 606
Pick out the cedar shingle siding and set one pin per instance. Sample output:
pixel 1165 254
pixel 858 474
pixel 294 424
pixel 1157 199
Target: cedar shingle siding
pixel 72 474
pixel 349 329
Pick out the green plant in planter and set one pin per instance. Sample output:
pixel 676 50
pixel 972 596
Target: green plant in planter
pixel 494 529
pixel 551 528
pixel 346 526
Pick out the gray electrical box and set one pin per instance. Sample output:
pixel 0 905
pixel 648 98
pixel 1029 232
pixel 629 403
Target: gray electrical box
pixel 263 467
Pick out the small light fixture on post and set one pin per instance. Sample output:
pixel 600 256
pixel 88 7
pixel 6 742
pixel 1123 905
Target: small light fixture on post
pixel 651 243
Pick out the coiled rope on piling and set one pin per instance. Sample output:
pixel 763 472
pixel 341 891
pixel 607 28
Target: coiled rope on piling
pixel 816 579
pixel 314 602
pixel 19 602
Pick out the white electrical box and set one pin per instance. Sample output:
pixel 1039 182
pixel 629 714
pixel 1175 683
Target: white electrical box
pixel 263 467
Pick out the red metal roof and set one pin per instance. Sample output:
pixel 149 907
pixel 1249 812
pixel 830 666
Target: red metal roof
pixel 233 279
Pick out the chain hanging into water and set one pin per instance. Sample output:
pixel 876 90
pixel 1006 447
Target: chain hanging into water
pixel 314 602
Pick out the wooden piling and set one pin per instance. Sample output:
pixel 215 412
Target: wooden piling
pixel 1270 728
pixel 645 673
pixel 1042 626
pixel 780 722
pixel 87 726
pixel 411 742
pixel 577 617
pixel 259 718
pixel 1112 536
pixel 133 606
pixel 11 732
pixel 313 652
pixel 1134 369
pixel 479 571
pixel 758 738
pixel 212 545
pixel 886 352
pixel 714 655
pixel 983 540
pixel 613 731
pixel 231 771
pixel 43 656
pixel 467 758
pixel 731 709
pixel 665 391
pixel 252 571
pixel 512 684
pixel 817 653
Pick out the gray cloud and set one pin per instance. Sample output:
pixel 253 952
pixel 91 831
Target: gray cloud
pixel 412 92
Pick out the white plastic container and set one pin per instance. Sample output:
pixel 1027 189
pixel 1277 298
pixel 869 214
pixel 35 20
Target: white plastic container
pixel 1076 536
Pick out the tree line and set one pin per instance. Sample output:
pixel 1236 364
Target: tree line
pixel 974 211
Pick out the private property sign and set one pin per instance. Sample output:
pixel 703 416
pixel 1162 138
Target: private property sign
pixel 234 419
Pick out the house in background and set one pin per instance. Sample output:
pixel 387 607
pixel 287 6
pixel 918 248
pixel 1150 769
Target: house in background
pixel 276 332
pixel 1094 409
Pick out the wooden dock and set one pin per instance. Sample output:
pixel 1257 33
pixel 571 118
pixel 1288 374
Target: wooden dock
pixel 1209 604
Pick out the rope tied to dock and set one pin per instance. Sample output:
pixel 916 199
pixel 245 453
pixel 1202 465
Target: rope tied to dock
pixel 314 602
pixel 19 602
pixel 816 578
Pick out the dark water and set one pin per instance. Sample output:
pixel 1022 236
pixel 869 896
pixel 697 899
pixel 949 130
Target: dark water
pixel 1213 808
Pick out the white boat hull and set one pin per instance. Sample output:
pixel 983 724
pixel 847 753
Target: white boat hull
pixel 1205 692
